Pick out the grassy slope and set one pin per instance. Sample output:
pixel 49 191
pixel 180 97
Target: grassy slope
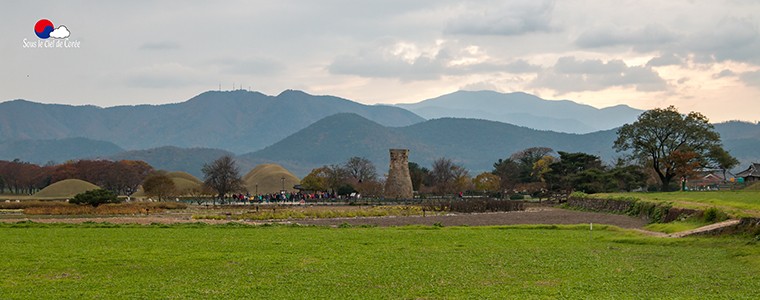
pixel 197 261
pixel 737 203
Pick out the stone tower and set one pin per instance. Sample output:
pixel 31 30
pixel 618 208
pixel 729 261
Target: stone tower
pixel 399 182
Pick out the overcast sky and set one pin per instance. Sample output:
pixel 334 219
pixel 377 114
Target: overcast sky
pixel 696 55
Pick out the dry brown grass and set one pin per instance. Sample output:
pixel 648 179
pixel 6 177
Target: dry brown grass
pixel 62 208
pixel 29 204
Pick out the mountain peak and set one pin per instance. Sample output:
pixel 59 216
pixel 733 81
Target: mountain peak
pixel 292 93
pixel 524 109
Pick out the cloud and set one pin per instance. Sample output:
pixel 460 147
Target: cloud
pixel 751 78
pixel 165 75
pixel 166 45
pixel 730 39
pixel 515 18
pixel 665 60
pixel 723 74
pixel 572 75
pixel 410 62
pixel 645 38
pixel 249 66
pixel 60 33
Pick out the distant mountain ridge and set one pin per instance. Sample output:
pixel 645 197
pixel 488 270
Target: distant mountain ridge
pixel 238 121
pixel 57 151
pixel 476 144
pixel 524 110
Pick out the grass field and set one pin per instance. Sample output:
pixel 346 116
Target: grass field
pixel 233 261
pixel 736 203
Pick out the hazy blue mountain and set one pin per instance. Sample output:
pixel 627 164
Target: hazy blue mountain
pixel 58 151
pixel 477 144
pixel 190 160
pixel 741 139
pixel 525 110
pixel 238 121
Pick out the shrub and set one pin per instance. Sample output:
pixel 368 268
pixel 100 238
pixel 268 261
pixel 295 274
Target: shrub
pixel 578 195
pixel 713 214
pixel 516 197
pixel 95 198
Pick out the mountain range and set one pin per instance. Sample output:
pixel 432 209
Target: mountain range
pixel 238 121
pixel 474 143
pixel 302 131
pixel 525 110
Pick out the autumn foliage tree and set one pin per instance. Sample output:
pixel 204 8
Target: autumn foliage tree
pixel 159 185
pixel 674 144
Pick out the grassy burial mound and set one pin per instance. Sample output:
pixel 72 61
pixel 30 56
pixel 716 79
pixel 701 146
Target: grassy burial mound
pixel 267 179
pixel 185 176
pixel 183 182
pixel 66 189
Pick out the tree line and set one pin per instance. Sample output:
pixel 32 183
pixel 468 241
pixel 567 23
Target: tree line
pixel 660 146
pixel 121 177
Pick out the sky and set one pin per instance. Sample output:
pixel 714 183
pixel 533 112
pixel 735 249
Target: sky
pixel 697 55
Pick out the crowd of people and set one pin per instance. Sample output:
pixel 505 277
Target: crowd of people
pixel 286 197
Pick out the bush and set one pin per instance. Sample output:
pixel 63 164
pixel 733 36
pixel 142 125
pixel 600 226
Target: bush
pixel 713 214
pixel 516 197
pixel 95 198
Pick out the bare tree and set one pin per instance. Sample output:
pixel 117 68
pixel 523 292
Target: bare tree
pixel 223 176
pixel 160 185
pixel 361 169
pixel 448 177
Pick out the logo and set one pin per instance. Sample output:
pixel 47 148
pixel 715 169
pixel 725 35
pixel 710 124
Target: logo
pixel 45 29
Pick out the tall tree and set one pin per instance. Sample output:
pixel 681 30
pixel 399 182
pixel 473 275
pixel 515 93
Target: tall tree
pixel 420 175
pixel 361 169
pixel 486 182
pixel 337 176
pixel 222 176
pixel 448 177
pixel 508 171
pixel 576 171
pixel 526 160
pixel 316 180
pixel 672 142
pixel 723 160
pixel 158 184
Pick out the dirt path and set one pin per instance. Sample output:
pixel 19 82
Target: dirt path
pixel 707 228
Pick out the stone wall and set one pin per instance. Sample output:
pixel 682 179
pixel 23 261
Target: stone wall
pixel 399 182
pixel 652 212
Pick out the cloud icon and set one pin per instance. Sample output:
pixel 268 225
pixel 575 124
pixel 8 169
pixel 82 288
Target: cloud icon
pixel 60 33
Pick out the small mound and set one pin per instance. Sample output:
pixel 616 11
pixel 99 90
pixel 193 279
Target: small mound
pixel 185 186
pixel 267 179
pixel 66 189
pixel 184 175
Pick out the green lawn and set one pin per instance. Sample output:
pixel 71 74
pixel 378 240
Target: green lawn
pixel 737 203
pixel 228 261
